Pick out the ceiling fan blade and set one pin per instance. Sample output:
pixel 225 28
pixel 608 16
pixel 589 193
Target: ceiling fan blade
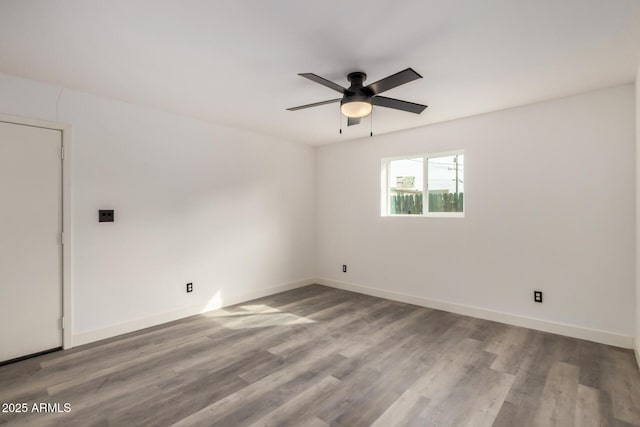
pixel 353 121
pixel 394 80
pixel 324 82
pixel 397 104
pixel 315 104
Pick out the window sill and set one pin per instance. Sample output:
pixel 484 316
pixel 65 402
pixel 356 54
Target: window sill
pixel 428 215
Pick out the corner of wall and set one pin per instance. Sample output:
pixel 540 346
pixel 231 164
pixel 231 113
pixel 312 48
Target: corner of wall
pixel 637 328
pixel 316 231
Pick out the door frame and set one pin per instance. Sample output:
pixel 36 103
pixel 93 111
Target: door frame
pixel 67 223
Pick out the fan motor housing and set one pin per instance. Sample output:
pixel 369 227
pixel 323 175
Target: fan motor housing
pixel 355 92
pixel 356 78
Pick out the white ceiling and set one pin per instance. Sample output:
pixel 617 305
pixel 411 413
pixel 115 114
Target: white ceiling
pixel 235 62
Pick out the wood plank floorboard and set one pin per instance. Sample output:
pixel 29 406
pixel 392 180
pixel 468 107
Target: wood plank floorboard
pixel 317 356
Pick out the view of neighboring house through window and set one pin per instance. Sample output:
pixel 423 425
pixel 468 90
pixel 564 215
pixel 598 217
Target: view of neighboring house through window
pixel 426 185
pixel 406 186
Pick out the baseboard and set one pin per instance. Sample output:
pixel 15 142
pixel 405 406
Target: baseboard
pixel 599 336
pixel 636 350
pixel 137 324
pixel 595 335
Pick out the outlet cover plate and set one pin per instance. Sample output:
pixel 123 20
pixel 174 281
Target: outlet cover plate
pixel 105 215
pixel 537 296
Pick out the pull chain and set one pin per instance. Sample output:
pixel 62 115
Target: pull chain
pixel 371 125
pixel 340 120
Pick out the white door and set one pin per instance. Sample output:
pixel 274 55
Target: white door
pixel 30 245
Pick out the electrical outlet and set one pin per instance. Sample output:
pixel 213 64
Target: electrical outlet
pixel 344 268
pixel 189 287
pixel 537 296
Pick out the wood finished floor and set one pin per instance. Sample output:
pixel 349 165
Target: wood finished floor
pixel 318 356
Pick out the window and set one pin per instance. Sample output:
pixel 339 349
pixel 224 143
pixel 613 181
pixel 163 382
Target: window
pixel 425 185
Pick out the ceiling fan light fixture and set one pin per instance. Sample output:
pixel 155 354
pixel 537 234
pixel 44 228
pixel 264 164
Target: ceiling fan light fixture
pixel 357 100
pixel 356 109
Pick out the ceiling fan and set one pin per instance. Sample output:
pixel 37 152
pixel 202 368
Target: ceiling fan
pixel 357 100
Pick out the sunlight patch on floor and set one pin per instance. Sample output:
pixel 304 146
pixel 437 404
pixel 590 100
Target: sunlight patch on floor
pixel 255 316
pixel 214 303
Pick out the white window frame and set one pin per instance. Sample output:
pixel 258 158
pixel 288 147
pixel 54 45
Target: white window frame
pixel 385 185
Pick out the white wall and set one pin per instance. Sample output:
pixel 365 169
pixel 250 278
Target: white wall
pixel 549 202
pixel 549 206
pixel 230 211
